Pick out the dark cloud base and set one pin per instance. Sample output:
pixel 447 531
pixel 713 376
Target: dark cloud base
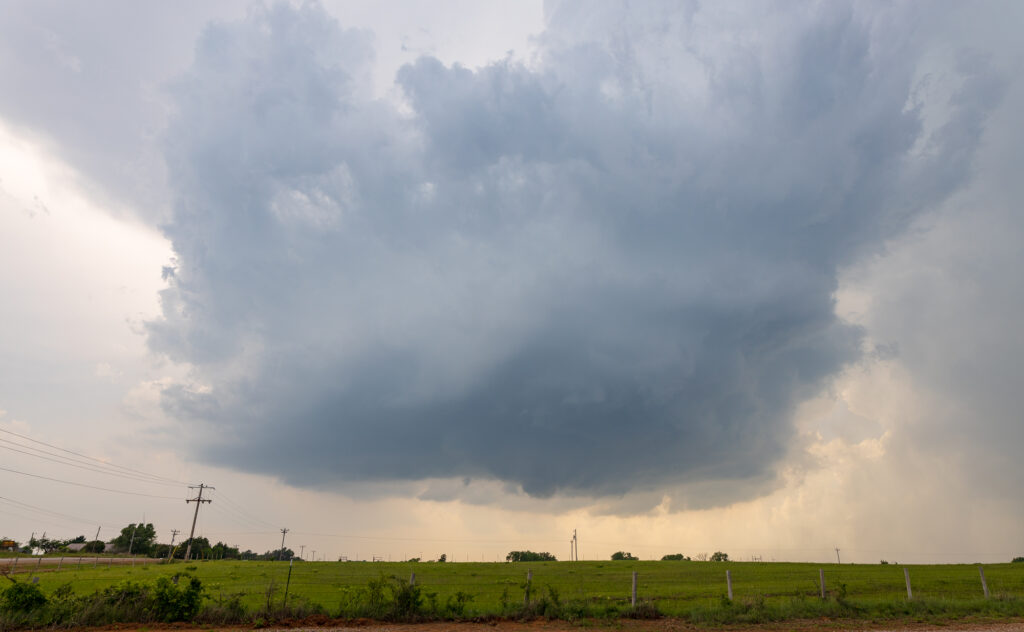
pixel 588 277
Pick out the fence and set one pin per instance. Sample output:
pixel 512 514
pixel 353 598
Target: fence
pixel 673 587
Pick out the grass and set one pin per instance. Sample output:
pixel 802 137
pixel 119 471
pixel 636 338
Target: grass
pixel 691 590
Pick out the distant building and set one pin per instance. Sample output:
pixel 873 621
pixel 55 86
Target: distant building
pixel 75 547
pixel 8 545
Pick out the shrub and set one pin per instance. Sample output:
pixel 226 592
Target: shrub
pixel 1017 559
pixel 22 597
pixel 718 556
pixel 174 603
pixel 623 556
pixel 675 557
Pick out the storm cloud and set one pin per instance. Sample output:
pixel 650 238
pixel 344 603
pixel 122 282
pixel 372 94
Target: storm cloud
pixel 610 268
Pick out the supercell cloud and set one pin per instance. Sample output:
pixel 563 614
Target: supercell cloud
pixel 609 269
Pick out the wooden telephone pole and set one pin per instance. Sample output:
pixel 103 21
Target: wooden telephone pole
pixel 170 550
pixel 198 500
pixel 280 554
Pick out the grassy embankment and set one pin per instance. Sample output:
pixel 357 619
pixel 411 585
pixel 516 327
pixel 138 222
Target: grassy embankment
pixel 691 590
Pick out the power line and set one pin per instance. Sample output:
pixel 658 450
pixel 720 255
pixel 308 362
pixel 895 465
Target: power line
pixel 105 489
pixel 234 516
pixel 86 456
pixel 51 512
pixel 241 510
pixel 83 467
pixel 90 462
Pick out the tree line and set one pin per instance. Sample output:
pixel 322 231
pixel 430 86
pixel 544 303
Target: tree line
pixel 141 539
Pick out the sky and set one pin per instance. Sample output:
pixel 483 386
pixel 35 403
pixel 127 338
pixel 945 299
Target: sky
pixel 414 278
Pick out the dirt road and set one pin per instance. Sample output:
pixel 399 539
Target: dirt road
pixel 30 563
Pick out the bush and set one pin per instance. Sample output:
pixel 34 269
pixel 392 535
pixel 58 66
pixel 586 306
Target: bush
pixel 623 556
pixel 174 603
pixel 675 557
pixel 1017 559
pixel 22 598
pixel 387 599
pixel 718 556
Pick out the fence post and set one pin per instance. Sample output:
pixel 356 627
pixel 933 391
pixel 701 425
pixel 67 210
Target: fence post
pixel 728 583
pixel 60 562
pixel 412 579
pixel 287 583
pixel 80 561
pixel 906 575
pixel 15 566
pixel 634 589
pixel 984 584
pixel 526 597
pixel 821 580
pixel 38 563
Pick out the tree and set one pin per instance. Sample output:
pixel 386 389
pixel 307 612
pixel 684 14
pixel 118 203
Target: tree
pixel 1017 560
pixel 675 557
pixel 529 556
pixel 95 546
pixel 623 556
pixel 718 556
pixel 48 545
pixel 136 538
pixel 222 551
pixel 443 558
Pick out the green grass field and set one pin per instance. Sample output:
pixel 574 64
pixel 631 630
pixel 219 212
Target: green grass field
pixel 684 589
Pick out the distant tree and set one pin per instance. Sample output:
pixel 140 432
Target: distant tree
pixel 201 549
pixel 443 558
pixel 529 556
pixel 160 550
pixel 883 562
pixel 48 545
pixel 675 557
pixel 413 559
pixel 1017 560
pixel 221 551
pixel 718 556
pixel 623 556
pixel 95 546
pixel 136 538
pixel 284 554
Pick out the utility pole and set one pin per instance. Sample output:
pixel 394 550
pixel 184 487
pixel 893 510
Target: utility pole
pixel 131 542
pixel 280 554
pixel 575 547
pixel 198 500
pixel 302 551
pixel 170 550
pixel 838 561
